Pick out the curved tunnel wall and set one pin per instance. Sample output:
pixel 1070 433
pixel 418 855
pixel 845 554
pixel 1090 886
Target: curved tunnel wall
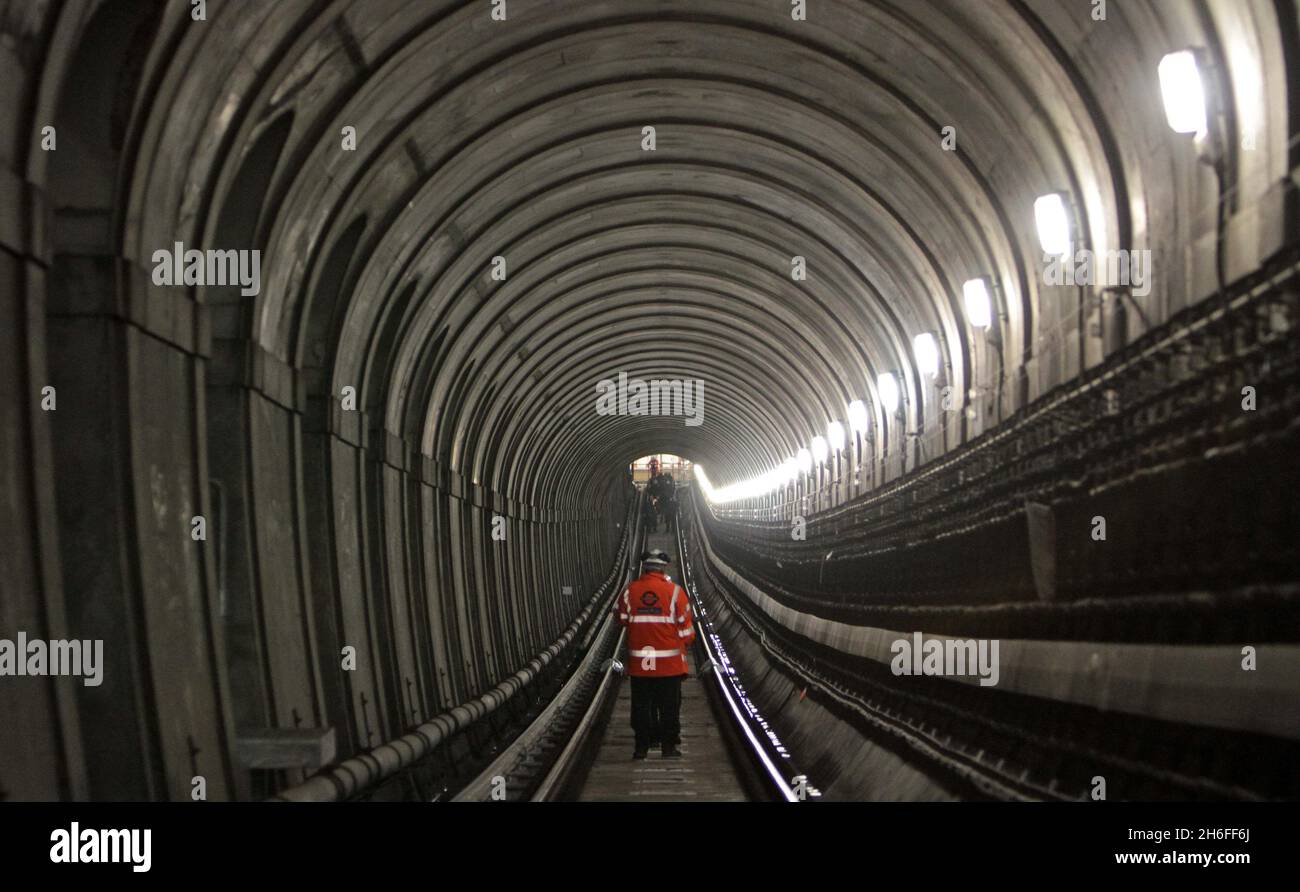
pixel 333 524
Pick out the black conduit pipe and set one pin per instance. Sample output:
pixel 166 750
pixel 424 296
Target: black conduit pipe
pixel 369 769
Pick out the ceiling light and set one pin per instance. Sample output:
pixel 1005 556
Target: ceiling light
pixel 887 384
pixel 859 418
pixel 819 449
pixel 804 458
pixel 979 308
pixel 1052 215
pixel 926 349
pixel 835 436
pixel 1183 92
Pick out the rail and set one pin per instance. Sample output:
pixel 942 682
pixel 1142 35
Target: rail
pixel 570 715
pixel 366 771
pixel 543 763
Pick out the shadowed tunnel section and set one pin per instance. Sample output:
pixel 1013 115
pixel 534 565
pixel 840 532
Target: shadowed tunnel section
pixel 463 227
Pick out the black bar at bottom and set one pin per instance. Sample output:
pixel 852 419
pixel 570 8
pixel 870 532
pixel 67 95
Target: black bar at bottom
pixel 497 841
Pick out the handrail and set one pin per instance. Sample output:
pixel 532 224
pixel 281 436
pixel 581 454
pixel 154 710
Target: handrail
pixel 482 785
pixel 562 770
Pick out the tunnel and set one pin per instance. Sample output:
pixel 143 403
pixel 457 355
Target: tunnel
pixel 337 335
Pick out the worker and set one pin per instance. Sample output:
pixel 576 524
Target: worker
pixel 657 614
pixel 660 488
pixel 668 508
pixel 668 501
pixel 650 514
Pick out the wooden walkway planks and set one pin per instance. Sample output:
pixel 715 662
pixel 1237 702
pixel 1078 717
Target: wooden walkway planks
pixel 702 774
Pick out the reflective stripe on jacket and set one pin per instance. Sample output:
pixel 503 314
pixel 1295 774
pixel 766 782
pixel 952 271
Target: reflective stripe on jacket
pixel 657 614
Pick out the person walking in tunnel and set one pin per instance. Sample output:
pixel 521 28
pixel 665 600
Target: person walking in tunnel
pixel 657 615
pixel 655 496
pixel 668 501
pixel 650 513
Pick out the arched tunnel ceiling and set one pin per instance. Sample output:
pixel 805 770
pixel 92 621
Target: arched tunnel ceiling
pixel 776 138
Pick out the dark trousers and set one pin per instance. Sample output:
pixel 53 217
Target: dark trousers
pixel 657 711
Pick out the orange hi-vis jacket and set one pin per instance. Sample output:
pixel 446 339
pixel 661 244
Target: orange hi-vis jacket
pixel 657 614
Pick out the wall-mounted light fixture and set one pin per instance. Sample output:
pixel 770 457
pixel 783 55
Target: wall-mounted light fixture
pixel 926 349
pixel 859 418
pixel 979 303
pixel 887 385
pixel 1052 217
pixel 835 436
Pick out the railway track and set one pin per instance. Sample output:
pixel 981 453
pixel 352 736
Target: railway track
pixel 579 746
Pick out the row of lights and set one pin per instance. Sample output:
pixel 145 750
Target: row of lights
pixel 1185 109
pixel 1183 95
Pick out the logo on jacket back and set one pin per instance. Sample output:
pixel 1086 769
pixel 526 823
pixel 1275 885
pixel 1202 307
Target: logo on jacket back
pixel 649 599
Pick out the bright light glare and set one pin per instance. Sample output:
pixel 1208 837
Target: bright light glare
pixel 705 484
pixel 887 384
pixel 820 449
pixel 1053 219
pixel 835 436
pixel 859 419
pixel 804 458
pixel 745 489
pixel 927 353
pixel 979 309
pixel 790 470
pixel 1183 93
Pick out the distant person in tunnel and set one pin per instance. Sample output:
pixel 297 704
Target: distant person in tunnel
pixel 657 615
pixel 650 514
pixel 658 491
pixel 668 500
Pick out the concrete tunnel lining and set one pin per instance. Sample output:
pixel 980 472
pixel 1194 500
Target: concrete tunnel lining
pixel 775 139
pixel 394 142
